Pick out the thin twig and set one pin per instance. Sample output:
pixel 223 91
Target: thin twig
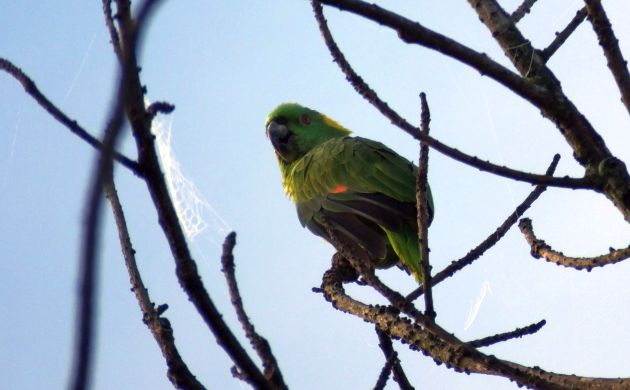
pixel 522 10
pixel 392 363
pixel 491 240
pixel 31 88
pixel 259 343
pixel 563 35
pixel 111 27
pixel 516 333
pixel 539 248
pixel 422 200
pixel 370 95
pixel 178 372
pixel 610 44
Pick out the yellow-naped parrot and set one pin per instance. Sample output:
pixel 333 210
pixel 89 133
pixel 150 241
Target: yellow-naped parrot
pixel 362 191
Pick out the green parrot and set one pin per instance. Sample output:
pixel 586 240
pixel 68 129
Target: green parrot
pixel 358 189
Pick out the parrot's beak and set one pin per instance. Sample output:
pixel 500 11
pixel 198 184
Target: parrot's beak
pixel 282 140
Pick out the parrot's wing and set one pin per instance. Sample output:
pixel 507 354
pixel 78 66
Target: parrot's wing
pixel 358 188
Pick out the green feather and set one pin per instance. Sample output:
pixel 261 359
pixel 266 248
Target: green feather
pixel 376 215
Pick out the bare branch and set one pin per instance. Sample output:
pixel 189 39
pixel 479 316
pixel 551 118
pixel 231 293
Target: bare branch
pixel 610 44
pixel 186 268
pixel 522 10
pixel 259 343
pixel 491 240
pixel 589 149
pixel 422 206
pixel 516 333
pixel 178 372
pixel 539 248
pixel 31 88
pixel 562 36
pixel 446 348
pixel 373 11
pixel 111 27
pixel 392 363
pixel 103 167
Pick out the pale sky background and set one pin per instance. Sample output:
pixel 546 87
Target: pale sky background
pixel 225 65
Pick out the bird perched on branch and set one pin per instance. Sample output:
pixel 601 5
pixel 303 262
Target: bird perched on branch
pixel 349 190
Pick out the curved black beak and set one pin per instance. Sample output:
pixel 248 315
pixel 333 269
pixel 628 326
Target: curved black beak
pixel 281 138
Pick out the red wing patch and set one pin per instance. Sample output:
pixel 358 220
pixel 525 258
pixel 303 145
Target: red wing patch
pixel 339 189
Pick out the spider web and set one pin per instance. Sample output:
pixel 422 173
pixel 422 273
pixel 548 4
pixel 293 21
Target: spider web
pixel 194 212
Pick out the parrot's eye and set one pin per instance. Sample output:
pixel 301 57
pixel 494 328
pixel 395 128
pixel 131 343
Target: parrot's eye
pixel 305 119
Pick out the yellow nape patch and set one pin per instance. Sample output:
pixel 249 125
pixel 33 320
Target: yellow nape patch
pixel 333 123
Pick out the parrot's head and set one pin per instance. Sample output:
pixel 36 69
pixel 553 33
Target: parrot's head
pixel 294 130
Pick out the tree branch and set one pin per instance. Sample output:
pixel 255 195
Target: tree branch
pixel 259 343
pixel 491 240
pixel 446 348
pixel 186 268
pixel 562 36
pixel 103 168
pixel 178 372
pixel 392 363
pixel 610 44
pixel 539 248
pixel 516 333
pixel 589 149
pixel 522 10
pixel 31 88
pixel 422 206
pixel 370 95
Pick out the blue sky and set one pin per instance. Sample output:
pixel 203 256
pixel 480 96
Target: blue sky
pixel 225 65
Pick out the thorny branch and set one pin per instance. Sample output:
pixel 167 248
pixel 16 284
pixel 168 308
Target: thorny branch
pixel 539 248
pixel 448 349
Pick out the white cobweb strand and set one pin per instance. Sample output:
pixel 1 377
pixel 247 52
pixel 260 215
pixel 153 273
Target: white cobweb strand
pixel 194 212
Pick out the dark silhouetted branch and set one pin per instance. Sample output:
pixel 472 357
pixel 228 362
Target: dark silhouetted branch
pixel 516 333
pixel 259 343
pixel 31 88
pixel 178 372
pixel 159 107
pixel 563 35
pixel 492 239
pixel 392 363
pixel 103 168
pixel 522 10
pixel 423 212
pixel 385 17
pixel 539 248
pixel 111 27
pixel 610 44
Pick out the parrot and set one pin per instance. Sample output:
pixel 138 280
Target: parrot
pixel 348 189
